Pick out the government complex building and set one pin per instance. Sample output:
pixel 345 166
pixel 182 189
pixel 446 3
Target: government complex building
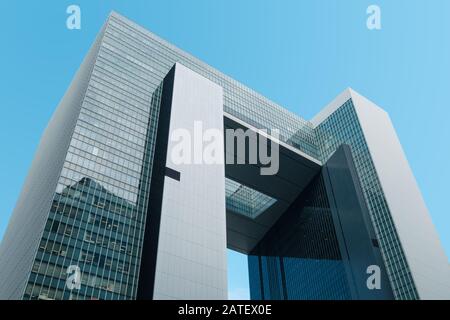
pixel 107 212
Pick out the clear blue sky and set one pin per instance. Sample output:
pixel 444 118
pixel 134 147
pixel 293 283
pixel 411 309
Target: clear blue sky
pixel 300 54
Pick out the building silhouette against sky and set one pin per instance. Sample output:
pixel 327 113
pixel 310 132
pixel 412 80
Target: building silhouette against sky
pixel 104 195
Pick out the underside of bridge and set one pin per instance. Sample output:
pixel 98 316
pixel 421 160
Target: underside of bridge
pixel 255 202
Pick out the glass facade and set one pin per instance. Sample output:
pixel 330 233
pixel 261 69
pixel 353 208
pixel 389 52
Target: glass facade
pixel 156 56
pixel 97 218
pixel 341 127
pixel 299 258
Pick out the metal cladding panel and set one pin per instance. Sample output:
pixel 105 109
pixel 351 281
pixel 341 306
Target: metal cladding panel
pixel 191 256
pixel 420 242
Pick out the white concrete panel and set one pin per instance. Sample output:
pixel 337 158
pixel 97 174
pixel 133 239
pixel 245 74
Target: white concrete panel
pixel 424 253
pixel 191 259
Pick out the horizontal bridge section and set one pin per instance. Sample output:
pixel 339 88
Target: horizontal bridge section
pixel 295 171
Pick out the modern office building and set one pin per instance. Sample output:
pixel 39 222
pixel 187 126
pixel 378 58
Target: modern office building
pixel 341 218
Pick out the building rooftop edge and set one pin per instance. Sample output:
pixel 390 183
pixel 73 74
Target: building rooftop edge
pixel 338 101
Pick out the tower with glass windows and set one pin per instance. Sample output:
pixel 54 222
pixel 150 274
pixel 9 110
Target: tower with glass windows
pixel 104 197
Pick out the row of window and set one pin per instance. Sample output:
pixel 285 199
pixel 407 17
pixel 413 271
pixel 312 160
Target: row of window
pixel 86 279
pixel 126 155
pixel 101 221
pixel 104 241
pixel 91 258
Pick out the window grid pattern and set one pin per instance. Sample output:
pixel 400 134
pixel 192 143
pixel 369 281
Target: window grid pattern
pixel 98 214
pixel 342 127
pixel 299 258
pixel 245 200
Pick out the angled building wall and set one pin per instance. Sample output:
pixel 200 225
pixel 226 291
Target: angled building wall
pixel 418 237
pixel 415 260
pixel 21 240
